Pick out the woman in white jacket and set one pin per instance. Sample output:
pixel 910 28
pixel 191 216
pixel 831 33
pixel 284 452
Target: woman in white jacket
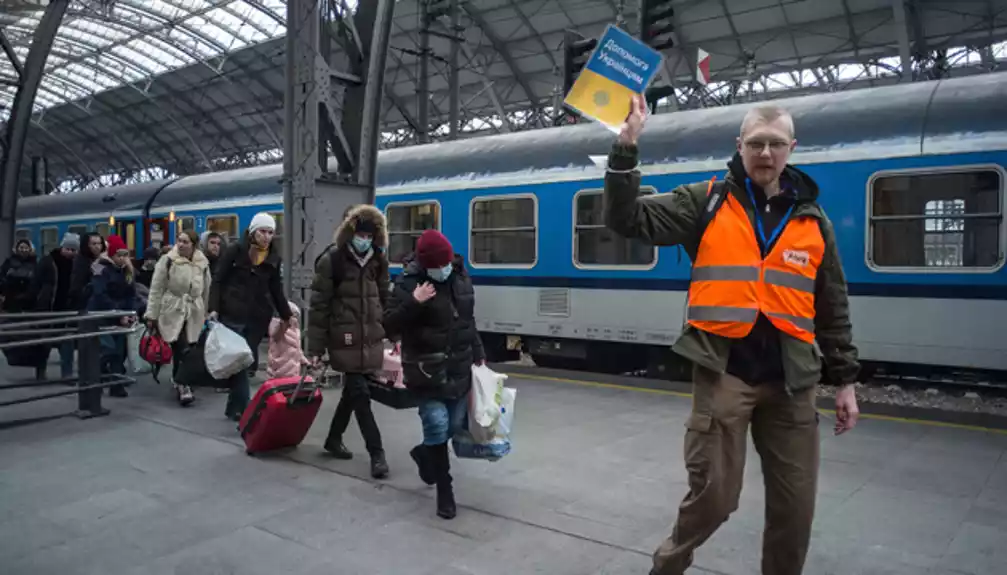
pixel 176 308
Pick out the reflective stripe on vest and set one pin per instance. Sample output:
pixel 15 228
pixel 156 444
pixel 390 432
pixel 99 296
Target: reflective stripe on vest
pixel 731 282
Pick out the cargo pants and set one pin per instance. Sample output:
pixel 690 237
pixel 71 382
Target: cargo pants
pixel 785 434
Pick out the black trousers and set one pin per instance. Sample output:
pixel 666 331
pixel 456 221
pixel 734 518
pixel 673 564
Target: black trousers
pixel 356 400
pixel 178 348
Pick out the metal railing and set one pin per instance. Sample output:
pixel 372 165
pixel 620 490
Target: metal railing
pixel 85 329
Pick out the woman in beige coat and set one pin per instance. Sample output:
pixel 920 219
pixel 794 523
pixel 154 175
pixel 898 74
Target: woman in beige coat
pixel 176 308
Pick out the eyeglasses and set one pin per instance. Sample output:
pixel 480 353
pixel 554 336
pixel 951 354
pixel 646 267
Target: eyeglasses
pixel 758 146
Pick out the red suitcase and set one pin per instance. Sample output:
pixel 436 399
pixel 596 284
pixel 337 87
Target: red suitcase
pixel 280 414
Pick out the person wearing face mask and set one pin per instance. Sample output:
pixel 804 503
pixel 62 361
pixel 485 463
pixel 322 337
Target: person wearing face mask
pixel 245 290
pixel 432 310
pixel 347 301
pixel 113 288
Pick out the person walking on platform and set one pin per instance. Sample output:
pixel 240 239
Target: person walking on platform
pixel 176 308
pixel 51 288
pixel 432 310
pixel 113 288
pixel 766 284
pixel 246 288
pixel 92 245
pixel 348 296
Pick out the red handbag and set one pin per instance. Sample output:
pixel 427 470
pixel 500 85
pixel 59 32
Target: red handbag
pixel 153 349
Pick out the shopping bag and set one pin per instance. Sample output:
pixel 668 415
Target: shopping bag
pixel 226 352
pixel 192 369
pixel 137 364
pixel 391 369
pixel 498 444
pixel 484 401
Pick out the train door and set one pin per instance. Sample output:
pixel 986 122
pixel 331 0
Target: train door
pixel 157 233
pixel 126 229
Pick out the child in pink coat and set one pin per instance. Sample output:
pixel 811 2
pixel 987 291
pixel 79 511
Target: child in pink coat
pixel 285 355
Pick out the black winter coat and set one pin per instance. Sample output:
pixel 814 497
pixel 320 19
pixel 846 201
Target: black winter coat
pixel 446 322
pixel 51 284
pixel 80 277
pixel 16 275
pixel 244 295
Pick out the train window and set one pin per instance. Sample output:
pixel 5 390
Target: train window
pixel 50 239
pixel 77 229
pixel 185 224
pixel 504 231
pixel 949 219
pixel 406 222
pixel 595 245
pixel 226 226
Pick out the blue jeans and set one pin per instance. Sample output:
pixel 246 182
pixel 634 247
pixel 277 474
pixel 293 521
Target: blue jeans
pixel 442 418
pixel 66 350
pixel 238 397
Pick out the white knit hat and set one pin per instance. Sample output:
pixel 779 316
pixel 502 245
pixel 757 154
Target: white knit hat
pixel 261 220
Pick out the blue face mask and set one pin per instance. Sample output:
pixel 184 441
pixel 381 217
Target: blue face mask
pixel 440 274
pixel 361 244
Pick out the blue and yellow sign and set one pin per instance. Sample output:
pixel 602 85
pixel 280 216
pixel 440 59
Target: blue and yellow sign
pixel 619 67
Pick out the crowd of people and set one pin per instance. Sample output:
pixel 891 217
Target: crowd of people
pixel 764 313
pixel 353 313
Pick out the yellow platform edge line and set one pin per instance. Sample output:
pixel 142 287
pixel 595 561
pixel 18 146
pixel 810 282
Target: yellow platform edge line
pixel 830 411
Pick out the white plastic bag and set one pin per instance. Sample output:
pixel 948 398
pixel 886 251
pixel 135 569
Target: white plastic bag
pixel 484 402
pixel 506 422
pixel 137 364
pixel 226 353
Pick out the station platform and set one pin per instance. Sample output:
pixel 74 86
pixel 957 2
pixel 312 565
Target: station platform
pixel 591 488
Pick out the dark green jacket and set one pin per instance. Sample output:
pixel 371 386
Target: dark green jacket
pixel 673 219
pixel 346 319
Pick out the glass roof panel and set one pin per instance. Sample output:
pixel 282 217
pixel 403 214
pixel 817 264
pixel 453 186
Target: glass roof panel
pixel 98 49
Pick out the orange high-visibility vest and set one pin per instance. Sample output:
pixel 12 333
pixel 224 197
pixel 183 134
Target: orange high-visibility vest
pixel 731 282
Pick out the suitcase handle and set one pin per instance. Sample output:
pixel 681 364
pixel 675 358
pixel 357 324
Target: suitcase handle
pixel 300 385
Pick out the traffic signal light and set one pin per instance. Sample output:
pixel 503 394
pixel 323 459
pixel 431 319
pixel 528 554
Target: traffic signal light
pixel 657 24
pixel 576 52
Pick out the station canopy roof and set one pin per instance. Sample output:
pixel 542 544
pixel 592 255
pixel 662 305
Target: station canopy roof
pixel 142 89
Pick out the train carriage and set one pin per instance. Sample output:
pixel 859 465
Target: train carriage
pixel 911 175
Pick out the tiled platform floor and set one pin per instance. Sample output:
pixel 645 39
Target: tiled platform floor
pixel 591 488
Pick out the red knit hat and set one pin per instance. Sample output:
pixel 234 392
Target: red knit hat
pixel 433 250
pixel 115 243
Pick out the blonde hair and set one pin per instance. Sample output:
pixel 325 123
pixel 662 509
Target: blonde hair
pixel 767 114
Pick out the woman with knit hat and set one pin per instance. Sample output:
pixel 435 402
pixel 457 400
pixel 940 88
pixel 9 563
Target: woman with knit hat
pixel 432 310
pixel 113 288
pixel 246 288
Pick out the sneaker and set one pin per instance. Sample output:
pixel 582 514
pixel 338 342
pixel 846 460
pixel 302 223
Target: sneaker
pixel 185 396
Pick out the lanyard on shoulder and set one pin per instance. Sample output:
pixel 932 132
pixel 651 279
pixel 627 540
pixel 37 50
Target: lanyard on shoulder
pixel 758 219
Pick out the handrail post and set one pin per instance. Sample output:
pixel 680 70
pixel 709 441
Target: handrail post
pixel 89 371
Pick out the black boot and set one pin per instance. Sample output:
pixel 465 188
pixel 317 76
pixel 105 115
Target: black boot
pixel 446 508
pixel 421 455
pixel 118 391
pixel 335 447
pixel 379 467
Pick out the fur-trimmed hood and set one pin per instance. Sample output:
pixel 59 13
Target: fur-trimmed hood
pixel 198 258
pixel 344 233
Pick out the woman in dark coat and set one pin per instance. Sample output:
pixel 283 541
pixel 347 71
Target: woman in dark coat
pixel 432 310
pixel 92 245
pixel 51 288
pixel 113 287
pixel 246 288
pixel 16 275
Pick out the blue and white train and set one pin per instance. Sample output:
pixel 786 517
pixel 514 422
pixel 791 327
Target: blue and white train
pixel 912 176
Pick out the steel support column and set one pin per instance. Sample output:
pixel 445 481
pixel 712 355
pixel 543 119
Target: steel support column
pixel 902 35
pixel 20 117
pixel 423 76
pixel 455 94
pixel 314 198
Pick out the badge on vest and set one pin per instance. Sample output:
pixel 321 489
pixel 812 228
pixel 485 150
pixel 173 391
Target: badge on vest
pixel 347 339
pixel 797 258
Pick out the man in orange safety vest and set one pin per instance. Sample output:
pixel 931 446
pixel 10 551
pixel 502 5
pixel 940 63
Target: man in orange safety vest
pixel 767 285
